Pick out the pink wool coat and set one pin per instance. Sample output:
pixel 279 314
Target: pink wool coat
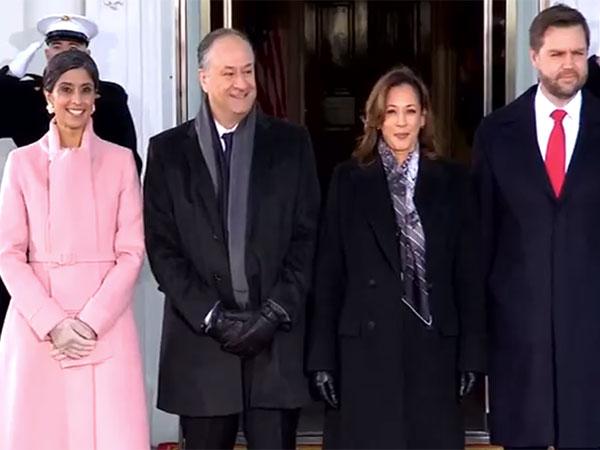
pixel 71 244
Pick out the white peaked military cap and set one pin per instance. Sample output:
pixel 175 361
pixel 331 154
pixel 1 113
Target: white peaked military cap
pixel 67 26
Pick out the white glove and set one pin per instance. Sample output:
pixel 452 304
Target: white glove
pixel 18 66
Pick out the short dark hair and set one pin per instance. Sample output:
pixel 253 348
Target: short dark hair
pixel 69 60
pixel 560 16
pixel 208 40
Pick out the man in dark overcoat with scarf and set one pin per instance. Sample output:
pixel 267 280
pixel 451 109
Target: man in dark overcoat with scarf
pixel 231 211
pixel 537 166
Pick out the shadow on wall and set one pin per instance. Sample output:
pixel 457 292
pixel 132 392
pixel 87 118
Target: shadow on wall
pixel 104 49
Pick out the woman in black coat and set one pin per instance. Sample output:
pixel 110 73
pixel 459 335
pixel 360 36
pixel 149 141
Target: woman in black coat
pixel 398 324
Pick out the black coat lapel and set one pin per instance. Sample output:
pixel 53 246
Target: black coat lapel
pixel 374 196
pixel 201 182
pixel 522 155
pixel 588 140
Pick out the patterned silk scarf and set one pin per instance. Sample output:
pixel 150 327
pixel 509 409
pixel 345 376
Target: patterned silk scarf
pixel 401 180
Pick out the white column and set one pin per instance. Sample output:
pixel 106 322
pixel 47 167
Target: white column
pixel 36 9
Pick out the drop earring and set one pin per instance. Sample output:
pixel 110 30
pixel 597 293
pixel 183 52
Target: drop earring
pixel 93 109
pixel 50 108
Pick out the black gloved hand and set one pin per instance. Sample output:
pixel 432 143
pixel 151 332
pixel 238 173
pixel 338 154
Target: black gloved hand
pixel 223 325
pixel 257 332
pixel 325 384
pixel 467 383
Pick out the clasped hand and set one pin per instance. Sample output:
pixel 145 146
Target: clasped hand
pixel 243 333
pixel 73 339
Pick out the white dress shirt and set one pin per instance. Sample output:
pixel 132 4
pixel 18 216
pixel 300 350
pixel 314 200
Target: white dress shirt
pixel 221 130
pixel 544 123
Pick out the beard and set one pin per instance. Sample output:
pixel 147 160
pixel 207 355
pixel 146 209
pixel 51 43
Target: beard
pixel 562 91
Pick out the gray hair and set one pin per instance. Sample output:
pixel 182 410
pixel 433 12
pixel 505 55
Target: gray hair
pixel 208 40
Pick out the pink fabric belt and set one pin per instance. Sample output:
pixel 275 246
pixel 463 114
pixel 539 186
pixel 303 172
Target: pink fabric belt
pixel 67 259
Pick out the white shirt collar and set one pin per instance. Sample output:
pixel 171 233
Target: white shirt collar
pixel 221 130
pixel 545 107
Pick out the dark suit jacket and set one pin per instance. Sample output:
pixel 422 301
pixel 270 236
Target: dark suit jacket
pixel 542 272
pixel 358 313
pixel 188 256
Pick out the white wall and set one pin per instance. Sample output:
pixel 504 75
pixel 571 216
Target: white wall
pixel 591 10
pixel 135 47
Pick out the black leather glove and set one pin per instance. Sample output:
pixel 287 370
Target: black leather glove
pixel 467 383
pixel 223 325
pixel 257 332
pixel 325 384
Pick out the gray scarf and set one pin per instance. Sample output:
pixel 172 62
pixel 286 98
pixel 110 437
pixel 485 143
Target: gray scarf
pixel 239 180
pixel 402 180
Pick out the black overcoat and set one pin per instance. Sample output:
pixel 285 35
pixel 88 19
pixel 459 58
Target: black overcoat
pixel 188 256
pixel 542 274
pixel 397 379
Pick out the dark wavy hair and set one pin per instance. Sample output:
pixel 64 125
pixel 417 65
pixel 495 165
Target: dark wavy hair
pixel 69 60
pixel 374 116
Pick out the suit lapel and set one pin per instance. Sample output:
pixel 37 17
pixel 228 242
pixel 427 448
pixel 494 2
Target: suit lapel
pixel 535 164
pixel 201 181
pixel 523 158
pixel 587 140
pixel 374 196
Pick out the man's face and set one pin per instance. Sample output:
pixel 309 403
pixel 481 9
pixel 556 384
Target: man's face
pixel 57 46
pixel 561 61
pixel 228 79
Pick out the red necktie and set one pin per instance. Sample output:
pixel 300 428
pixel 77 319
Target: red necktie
pixel 555 153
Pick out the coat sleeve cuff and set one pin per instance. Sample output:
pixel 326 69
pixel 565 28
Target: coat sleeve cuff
pixel 45 319
pixel 285 321
pixel 95 318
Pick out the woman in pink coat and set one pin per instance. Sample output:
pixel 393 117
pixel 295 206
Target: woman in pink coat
pixel 71 247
